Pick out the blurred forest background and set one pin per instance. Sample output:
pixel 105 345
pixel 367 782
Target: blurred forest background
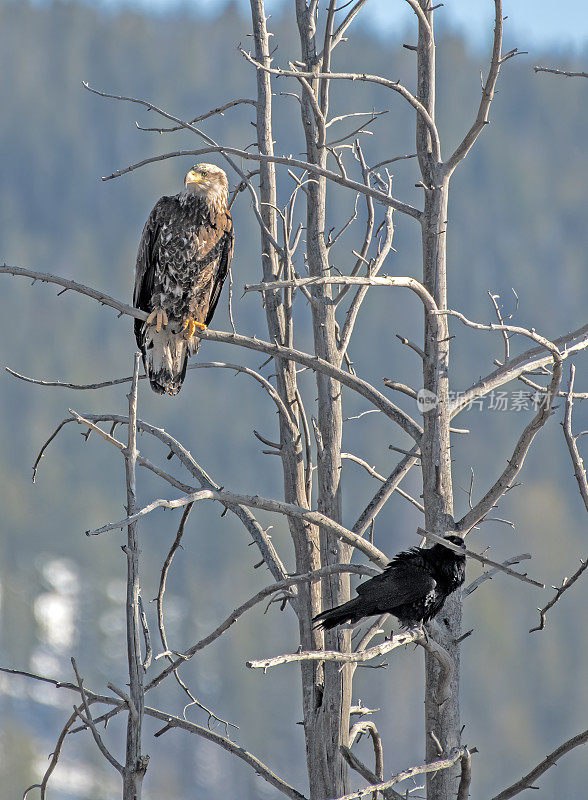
pixel 517 220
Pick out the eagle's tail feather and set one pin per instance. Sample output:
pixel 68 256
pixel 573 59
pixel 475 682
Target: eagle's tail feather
pixel 165 355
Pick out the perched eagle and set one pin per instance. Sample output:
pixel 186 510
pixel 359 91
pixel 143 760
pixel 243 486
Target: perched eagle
pixel 183 259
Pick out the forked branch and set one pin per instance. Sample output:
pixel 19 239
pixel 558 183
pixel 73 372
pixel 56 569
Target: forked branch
pixel 549 761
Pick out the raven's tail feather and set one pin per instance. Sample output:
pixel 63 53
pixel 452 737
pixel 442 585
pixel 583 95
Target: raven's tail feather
pixel 347 612
pixel 165 355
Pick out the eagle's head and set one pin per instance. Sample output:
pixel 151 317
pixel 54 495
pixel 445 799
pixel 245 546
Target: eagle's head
pixel 210 182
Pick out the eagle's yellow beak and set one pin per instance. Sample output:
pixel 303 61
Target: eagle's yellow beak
pixel 193 177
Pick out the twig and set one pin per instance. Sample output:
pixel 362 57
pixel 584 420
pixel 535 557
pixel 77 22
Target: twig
pixel 565 585
pixel 373 473
pixel 561 72
pixel 202 117
pixel 260 769
pixel 395 86
pixel 384 493
pixel 54 758
pixel 494 298
pixel 413 346
pixel 103 299
pixel 146 637
pixel 257 533
pixel 487 94
pixel 549 761
pixel 87 720
pixel 489 574
pixel 213 148
pixel 528 361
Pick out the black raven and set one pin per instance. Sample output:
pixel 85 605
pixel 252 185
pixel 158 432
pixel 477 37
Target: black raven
pixel 413 587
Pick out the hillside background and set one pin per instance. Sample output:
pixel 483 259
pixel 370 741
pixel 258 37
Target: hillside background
pixel 517 220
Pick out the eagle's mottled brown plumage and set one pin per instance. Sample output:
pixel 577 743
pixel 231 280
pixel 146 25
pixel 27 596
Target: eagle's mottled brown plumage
pixel 183 259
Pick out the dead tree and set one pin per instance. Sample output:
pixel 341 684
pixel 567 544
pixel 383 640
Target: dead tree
pixel 293 266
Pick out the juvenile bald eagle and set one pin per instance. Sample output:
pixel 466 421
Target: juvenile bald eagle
pixel 183 259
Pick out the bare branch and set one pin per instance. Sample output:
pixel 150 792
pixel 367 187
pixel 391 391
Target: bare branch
pixel 87 720
pixel 159 601
pixel 207 139
pixel 54 758
pixel 351 14
pixel 385 280
pixel 482 559
pixel 422 17
pixel 463 791
pixel 227 744
pixel 103 299
pixel 395 86
pixel 374 474
pixel 135 766
pixel 489 574
pixel 384 493
pixel 565 585
pixel 400 639
pixel 561 72
pixel 487 94
pixel 549 761
pixel 257 533
pixel 280 586
pixel 288 161
pixel 579 471
pixel 454 756
pixel 530 360
pixel 494 298
pixel 276 350
pixel 369 727
pixel 266 504
pixel 515 463
pixel 446 665
pixel 176 722
pixel 539 388
pixel 365 772
pixel 418 350
pixel 220 110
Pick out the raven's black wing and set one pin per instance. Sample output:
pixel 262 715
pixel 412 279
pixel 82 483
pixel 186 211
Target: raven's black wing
pixel 400 583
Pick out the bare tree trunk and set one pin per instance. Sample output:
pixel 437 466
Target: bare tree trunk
pixel 442 721
pixel 328 769
pixel 135 764
pixel 305 537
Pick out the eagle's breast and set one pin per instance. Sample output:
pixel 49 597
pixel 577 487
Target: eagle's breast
pixel 187 257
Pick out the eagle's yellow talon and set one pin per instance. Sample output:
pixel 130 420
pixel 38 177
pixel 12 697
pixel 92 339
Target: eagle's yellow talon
pixel 159 316
pixel 190 326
